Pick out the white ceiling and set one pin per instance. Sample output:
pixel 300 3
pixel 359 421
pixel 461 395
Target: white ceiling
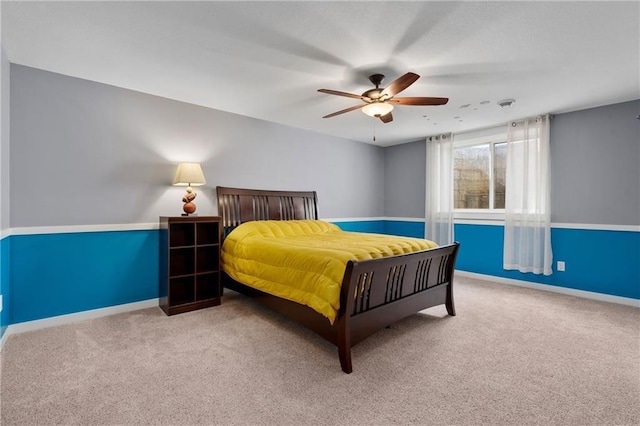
pixel 267 59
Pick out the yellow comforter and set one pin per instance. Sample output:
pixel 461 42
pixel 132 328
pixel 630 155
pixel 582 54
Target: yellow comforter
pixel 304 260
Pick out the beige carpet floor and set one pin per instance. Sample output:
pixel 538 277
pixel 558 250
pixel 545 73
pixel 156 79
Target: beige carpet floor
pixel 512 356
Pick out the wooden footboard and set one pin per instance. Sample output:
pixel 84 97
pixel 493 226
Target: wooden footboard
pixel 376 293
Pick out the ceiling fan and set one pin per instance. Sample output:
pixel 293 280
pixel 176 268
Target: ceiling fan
pixel 379 102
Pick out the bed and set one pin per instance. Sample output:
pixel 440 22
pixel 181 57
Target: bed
pixel 373 293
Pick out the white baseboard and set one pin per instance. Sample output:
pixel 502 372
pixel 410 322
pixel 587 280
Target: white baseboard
pixel 4 338
pixel 75 317
pixel 554 289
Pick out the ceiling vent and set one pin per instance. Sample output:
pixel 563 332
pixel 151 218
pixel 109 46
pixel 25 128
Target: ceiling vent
pixel 506 103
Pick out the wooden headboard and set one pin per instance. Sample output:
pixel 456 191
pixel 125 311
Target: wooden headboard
pixel 239 205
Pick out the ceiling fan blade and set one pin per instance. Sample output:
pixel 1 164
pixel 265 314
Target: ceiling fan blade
pixel 386 118
pixel 336 92
pixel 353 108
pixel 419 101
pixel 400 84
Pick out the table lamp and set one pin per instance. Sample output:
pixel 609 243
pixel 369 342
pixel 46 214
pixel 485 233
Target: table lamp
pixel 189 174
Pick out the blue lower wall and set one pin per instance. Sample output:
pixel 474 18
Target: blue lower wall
pixel 606 262
pixel 406 229
pixel 5 285
pixel 373 226
pixel 391 227
pixel 597 261
pixel 55 274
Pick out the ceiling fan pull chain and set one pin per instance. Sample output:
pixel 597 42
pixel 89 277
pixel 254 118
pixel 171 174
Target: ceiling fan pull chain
pixel 374 130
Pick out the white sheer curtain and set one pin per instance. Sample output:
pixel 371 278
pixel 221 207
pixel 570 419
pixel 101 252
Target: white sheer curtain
pixel 439 189
pixel 527 230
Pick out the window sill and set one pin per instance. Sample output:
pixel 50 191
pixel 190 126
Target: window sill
pixel 496 216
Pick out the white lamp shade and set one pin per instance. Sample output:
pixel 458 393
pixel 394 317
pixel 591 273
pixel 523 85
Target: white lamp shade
pixel 189 174
pixel 377 109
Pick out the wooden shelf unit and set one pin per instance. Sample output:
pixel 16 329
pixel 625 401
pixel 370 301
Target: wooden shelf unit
pixel 189 263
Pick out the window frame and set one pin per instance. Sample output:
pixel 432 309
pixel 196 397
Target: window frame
pixel 491 215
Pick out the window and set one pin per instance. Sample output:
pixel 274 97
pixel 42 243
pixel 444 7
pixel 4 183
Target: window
pixel 480 176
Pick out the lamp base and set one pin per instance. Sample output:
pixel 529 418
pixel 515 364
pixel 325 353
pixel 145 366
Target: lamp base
pixel 189 208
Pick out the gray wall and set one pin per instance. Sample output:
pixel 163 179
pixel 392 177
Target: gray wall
pixel 4 139
pixel 87 153
pixel 595 169
pixel 404 182
pixel 595 165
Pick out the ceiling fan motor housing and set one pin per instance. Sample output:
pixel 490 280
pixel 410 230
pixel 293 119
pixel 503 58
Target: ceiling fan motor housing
pixel 371 95
pixel 376 79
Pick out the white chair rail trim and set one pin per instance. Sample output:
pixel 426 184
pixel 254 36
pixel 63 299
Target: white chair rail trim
pixel 35 230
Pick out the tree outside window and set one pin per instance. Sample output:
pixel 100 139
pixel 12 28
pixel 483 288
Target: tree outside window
pixel 480 176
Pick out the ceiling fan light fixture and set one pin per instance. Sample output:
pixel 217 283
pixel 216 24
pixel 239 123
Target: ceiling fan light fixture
pixel 376 109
